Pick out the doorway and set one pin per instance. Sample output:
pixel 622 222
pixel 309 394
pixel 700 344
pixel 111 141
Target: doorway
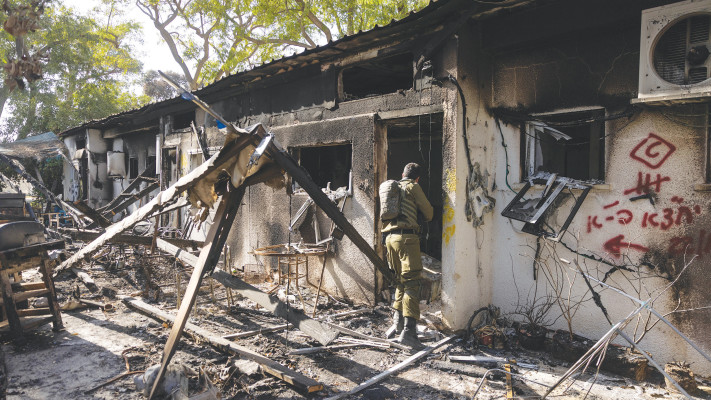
pixel 419 139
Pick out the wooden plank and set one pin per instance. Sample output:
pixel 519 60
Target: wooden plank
pixel 28 286
pixel 129 239
pixel 12 319
pixel 509 383
pixel 177 252
pixel 315 329
pixel 130 200
pixel 241 335
pixel 162 199
pixel 22 296
pixel 32 312
pixel 407 362
pixel 209 255
pixel 143 177
pixel 92 214
pixel 46 269
pixel 270 366
pixel 353 333
pixel 28 323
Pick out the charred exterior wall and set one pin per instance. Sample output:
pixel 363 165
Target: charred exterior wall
pixel 658 152
pixel 309 122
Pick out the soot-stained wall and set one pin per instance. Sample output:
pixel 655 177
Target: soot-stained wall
pixel 660 151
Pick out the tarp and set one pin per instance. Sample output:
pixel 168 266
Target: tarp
pixel 39 147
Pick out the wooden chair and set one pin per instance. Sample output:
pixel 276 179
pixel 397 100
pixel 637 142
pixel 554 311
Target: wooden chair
pixel 17 319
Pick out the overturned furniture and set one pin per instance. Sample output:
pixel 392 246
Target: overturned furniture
pixel 22 247
pixel 248 157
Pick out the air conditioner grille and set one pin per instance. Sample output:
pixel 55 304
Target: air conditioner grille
pixel 672 54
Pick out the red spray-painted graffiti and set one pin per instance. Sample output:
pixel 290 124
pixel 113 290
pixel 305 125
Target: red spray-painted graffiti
pixel 653 151
pixel 647 185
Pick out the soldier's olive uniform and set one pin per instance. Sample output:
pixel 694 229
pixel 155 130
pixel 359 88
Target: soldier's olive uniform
pixel 403 245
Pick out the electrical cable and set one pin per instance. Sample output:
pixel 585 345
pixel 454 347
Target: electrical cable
pixel 506 153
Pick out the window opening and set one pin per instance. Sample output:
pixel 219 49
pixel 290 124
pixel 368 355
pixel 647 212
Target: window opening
pixel 182 121
pixel 327 164
pixel 132 167
pixel 377 77
pixel 81 143
pixel 567 144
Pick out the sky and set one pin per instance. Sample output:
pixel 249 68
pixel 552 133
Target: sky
pixel 154 54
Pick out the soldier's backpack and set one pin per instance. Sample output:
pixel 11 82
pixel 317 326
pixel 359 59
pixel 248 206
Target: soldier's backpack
pixel 390 199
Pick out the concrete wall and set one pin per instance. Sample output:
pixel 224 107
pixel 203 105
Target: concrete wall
pixel 100 187
pixel 70 172
pixel 595 68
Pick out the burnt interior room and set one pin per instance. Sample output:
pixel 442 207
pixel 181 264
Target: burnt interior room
pixel 419 139
pixel 377 77
pixel 326 164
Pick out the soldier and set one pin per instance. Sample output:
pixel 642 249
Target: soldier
pixel 403 245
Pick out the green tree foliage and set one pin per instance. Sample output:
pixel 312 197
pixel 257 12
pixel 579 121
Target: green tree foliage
pixel 210 39
pixel 85 68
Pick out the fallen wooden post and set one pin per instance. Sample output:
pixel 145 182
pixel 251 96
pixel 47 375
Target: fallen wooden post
pixel 313 328
pixel 366 337
pixel 241 335
pixel 408 361
pixel 86 278
pixel 215 239
pixel 269 366
pixel 310 350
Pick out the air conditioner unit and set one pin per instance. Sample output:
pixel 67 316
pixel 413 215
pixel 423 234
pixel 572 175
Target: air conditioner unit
pixel 674 51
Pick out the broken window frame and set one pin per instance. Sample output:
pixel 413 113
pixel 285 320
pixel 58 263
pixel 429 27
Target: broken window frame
pixel 533 130
pixel 534 220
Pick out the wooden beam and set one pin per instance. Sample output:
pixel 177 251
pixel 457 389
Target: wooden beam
pixel 177 252
pixel 407 362
pixel 215 240
pixel 241 335
pixel 269 366
pixel 313 328
pixel 129 239
pixel 143 177
pixel 353 333
pixel 92 214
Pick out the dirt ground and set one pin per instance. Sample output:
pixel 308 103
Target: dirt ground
pixel 95 346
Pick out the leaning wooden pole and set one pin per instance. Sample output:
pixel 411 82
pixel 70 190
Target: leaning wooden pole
pixel 216 237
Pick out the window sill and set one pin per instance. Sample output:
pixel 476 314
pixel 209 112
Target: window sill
pixel 601 187
pixel 702 187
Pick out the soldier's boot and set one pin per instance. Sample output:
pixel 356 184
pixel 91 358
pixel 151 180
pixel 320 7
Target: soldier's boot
pixel 408 337
pixel 398 325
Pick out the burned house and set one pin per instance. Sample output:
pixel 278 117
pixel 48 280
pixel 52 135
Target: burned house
pixel 564 142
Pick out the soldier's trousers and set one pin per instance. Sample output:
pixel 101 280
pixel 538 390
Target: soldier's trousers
pixel 404 257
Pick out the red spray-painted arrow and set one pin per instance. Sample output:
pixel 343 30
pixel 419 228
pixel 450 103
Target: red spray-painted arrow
pixel 614 245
